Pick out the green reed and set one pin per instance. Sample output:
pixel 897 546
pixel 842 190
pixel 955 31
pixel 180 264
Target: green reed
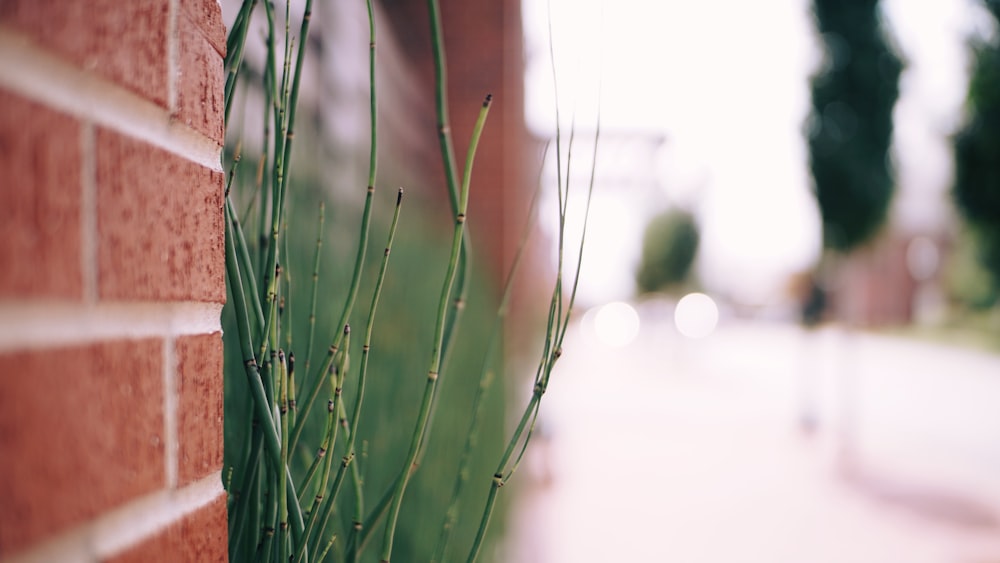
pixel 285 501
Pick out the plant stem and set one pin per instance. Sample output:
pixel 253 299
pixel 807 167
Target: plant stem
pixel 282 488
pixel 555 333
pixel 333 407
pixel 486 378
pixel 435 364
pixel 315 285
pixel 234 51
pixel 362 242
pixel 263 411
pixel 350 429
pixel 441 104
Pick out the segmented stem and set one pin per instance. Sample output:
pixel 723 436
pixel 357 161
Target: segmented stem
pixel 435 364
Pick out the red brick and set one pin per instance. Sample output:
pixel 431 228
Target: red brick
pixel 207 15
pixel 81 431
pixel 201 536
pixel 40 189
pixel 125 42
pixel 200 81
pixel 159 224
pixel 199 406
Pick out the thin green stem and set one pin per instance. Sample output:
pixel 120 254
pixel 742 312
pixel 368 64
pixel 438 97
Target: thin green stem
pixel 460 291
pixel 351 428
pixel 435 364
pixel 359 262
pixel 359 499
pixel 270 263
pixel 285 303
pixel 555 333
pixel 263 191
pixel 246 266
pixel 291 396
pixel 372 101
pixel 326 549
pixel 331 502
pixel 293 95
pixel 586 220
pixel 333 407
pixel 486 378
pixel 471 441
pixel 359 540
pixel 441 104
pixel 315 285
pixel 499 478
pixel 262 408
pixel 283 539
pixel 318 459
pixel 331 438
pixel 234 52
pixel 239 515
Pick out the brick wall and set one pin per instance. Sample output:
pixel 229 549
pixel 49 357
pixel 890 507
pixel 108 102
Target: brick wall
pixel 485 54
pixel 111 281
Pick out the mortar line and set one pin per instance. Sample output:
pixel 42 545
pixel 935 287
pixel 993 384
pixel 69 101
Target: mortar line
pixel 88 213
pixel 172 56
pixel 123 527
pixel 171 444
pixel 38 75
pixel 41 325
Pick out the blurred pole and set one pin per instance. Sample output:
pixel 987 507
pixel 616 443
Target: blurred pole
pixel 813 299
pixel 809 384
pixel 849 396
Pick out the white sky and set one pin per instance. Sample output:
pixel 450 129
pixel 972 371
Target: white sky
pixel 726 82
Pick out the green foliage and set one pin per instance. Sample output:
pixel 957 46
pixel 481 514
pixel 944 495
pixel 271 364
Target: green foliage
pixel 966 279
pixel 669 247
pixel 399 350
pixel 315 484
pixel 850 127
pixel 977 146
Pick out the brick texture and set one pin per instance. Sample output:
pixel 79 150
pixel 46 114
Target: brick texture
pixel 40 189
pixel 207 15
pixel 81 431
pixel 159 222
pixel 125 42
pixel 199 406
pixel 485 55
pixel 83 424
pixel 200 80
pixel 202 536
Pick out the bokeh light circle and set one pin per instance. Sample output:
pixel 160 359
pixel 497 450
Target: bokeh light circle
pixel 616 324
pixel 696 315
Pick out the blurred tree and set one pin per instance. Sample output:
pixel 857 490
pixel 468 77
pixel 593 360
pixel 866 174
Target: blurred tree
pixel 669 246
pixel 850 127
pixel 977 151
pixel 850 131
pixel 967 280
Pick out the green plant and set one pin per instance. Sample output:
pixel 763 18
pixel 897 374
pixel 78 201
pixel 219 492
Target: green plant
pixel 977 175
pixel 300 481
pixel 669 246
pixel 851 122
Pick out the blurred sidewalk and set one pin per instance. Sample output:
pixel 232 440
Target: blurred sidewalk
pixel 690 451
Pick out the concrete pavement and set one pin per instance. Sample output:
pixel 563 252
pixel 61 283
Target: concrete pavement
pixel 690 451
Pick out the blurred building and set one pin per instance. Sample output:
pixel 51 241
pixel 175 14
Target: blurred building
pixel 484 56
pixel 894 281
